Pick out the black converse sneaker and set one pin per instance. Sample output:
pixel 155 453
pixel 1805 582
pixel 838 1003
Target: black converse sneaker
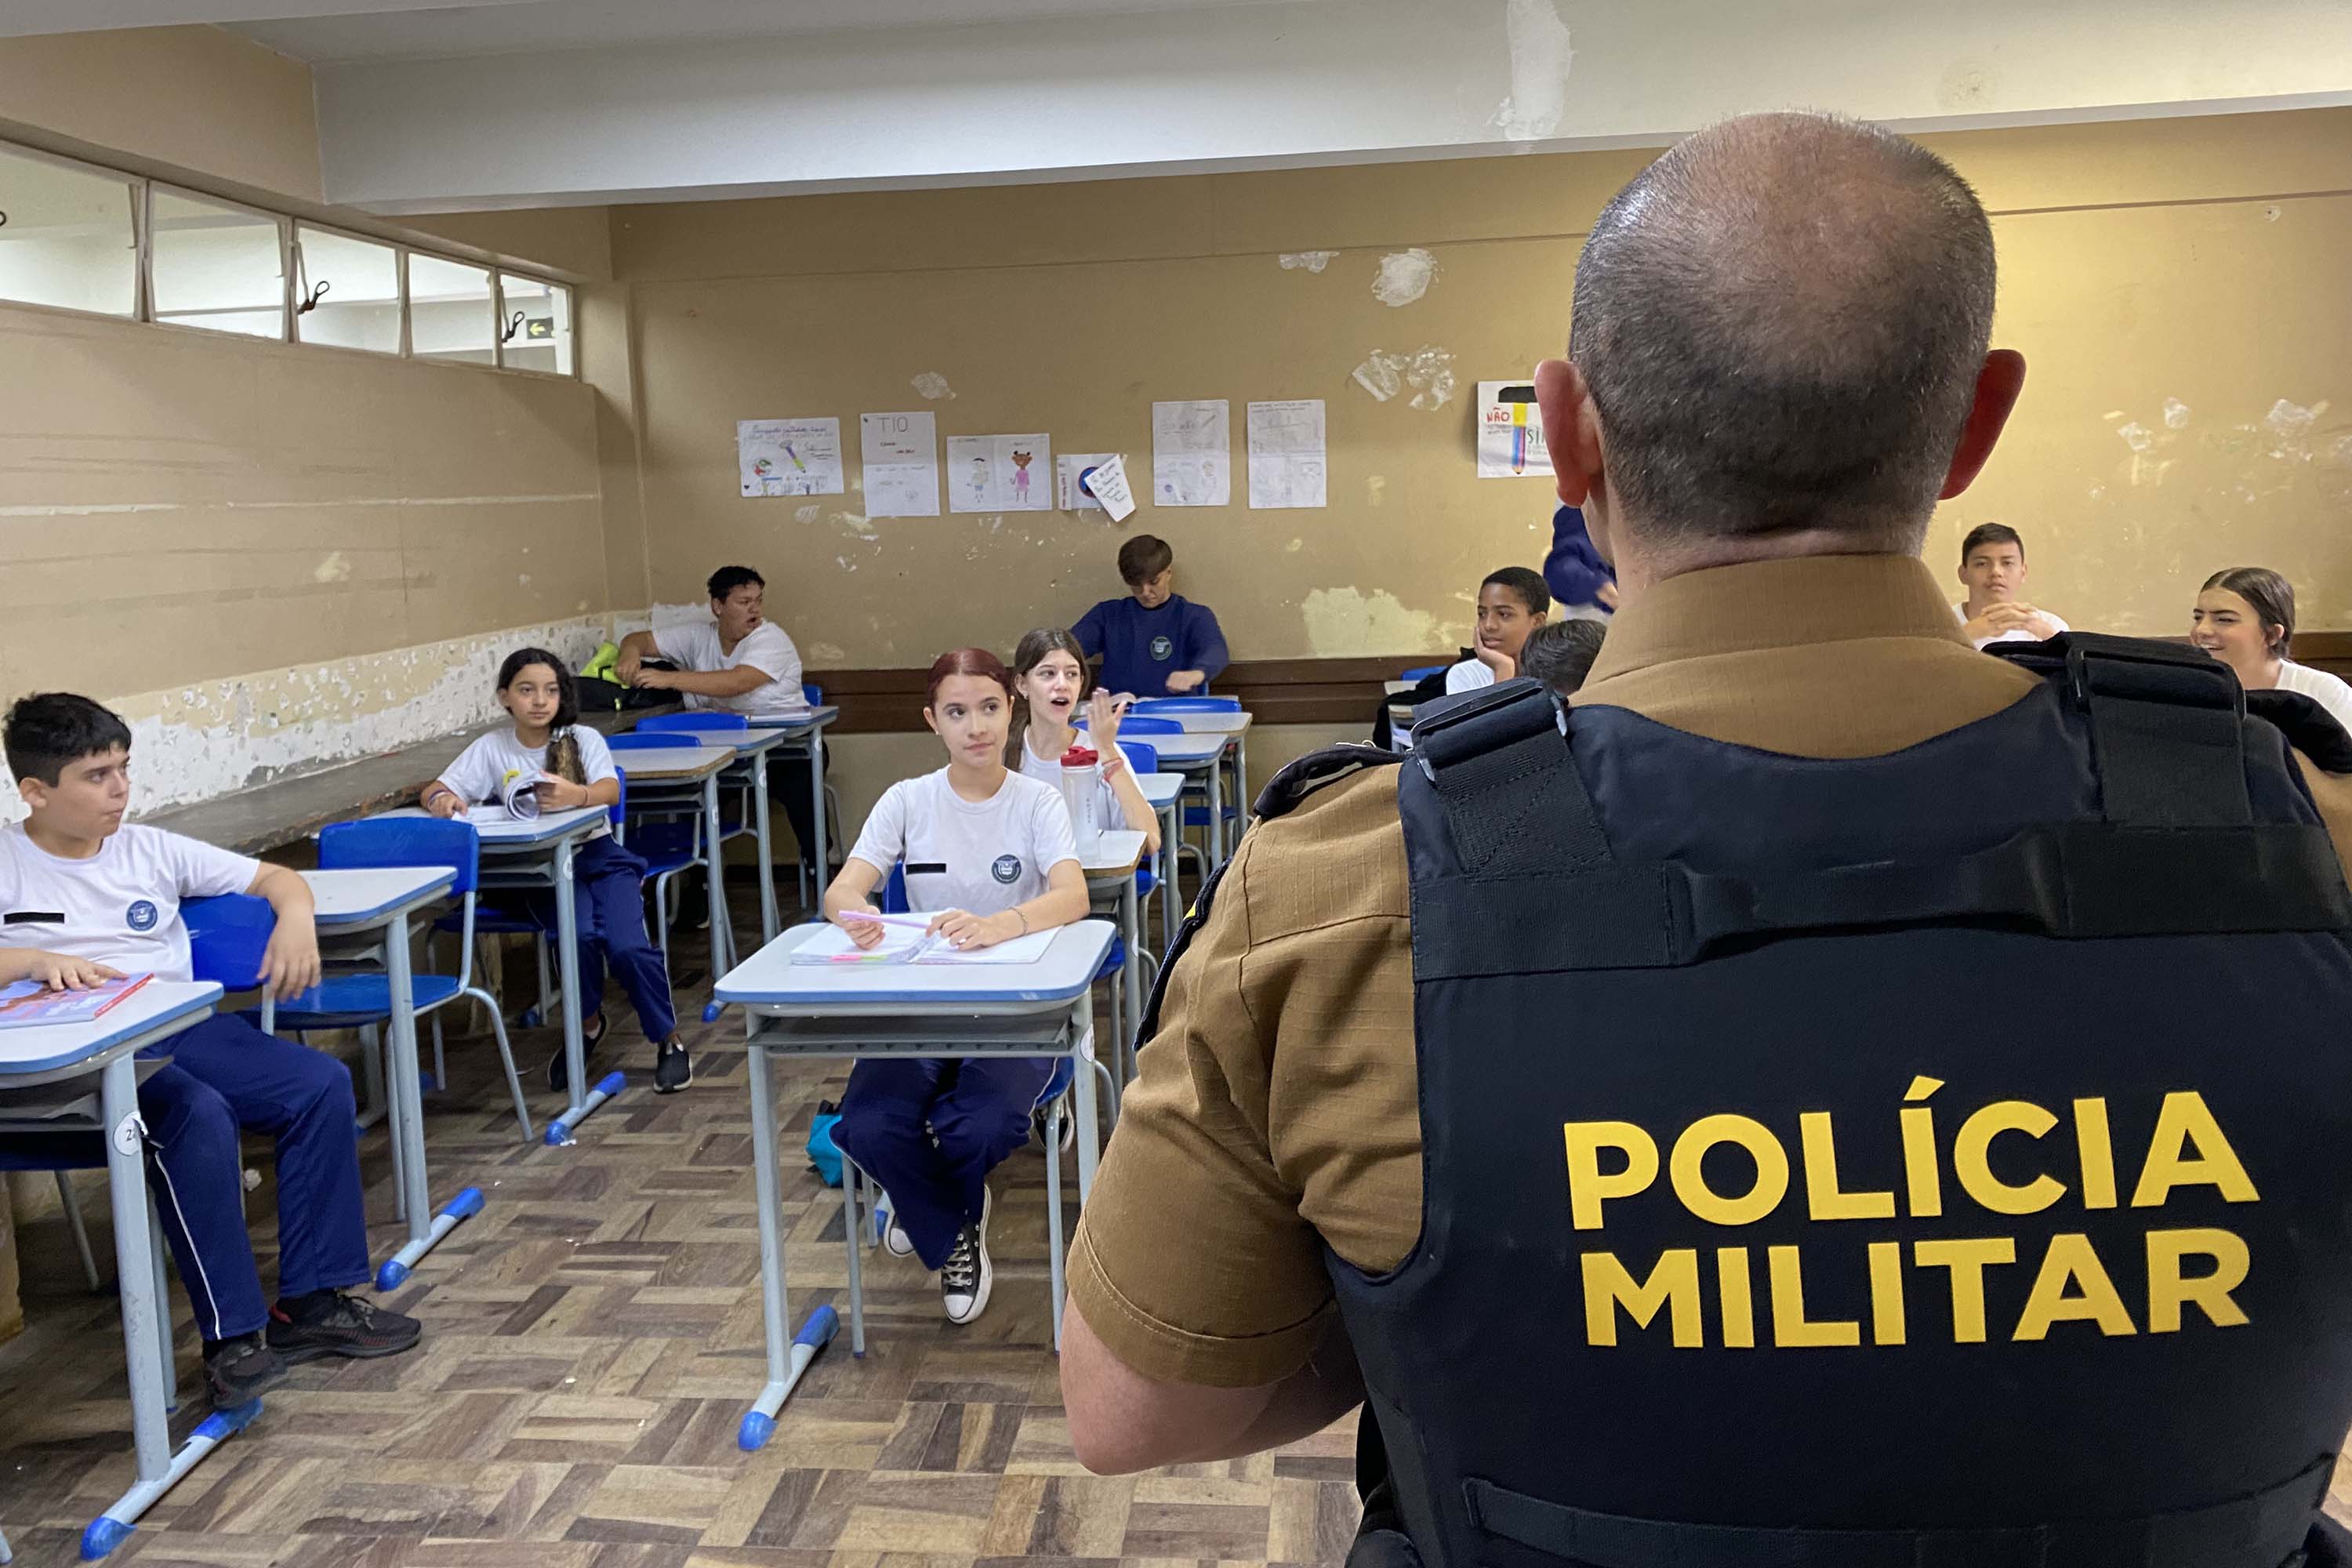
pixel 967 1275
pixel 672 1068
pixel 559 1073
pixel 895 1239
pixel 239 1371
pixel 331 1322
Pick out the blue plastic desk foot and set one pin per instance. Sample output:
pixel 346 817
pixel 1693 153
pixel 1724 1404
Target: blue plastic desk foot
pixel 455 1212
pixel 112 1527
pixel 760 1422
pixel 559 1132
pixel 710 1010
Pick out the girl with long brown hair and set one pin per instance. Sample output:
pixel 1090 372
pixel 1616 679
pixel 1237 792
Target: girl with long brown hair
pixel 1049 679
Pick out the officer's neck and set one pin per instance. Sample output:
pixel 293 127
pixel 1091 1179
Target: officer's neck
pixel 1641 565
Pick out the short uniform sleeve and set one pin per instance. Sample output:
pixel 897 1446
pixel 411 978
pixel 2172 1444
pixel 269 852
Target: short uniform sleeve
pixel 595 756
pixel 201 870
pixel 695 646
pixel 476 775
pixel 882 842
pixel 1466 677
pixel 1244 1300
pixel 769 651
pixel 1051 840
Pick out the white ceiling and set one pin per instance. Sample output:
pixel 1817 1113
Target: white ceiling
pixel 25 18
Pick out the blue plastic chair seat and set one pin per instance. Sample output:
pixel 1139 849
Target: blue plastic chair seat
pixel 1115 960
pixel 348 1001
pixel 493 920
pixel 1198 816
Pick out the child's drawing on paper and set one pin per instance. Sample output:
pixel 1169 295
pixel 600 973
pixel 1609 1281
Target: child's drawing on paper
pixel 1020 478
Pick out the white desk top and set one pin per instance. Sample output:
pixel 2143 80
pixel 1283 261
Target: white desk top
pixel 1116 852
pixel 1159 790
pixel 153 1005
pixel 769 981
pixel 509 832
pixel 351 898
pixel 816 718
pixel 1206 721
pixel 670 764
pixel 1193 746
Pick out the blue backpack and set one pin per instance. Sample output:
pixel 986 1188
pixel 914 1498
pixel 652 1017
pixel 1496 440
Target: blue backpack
pixel 824 1158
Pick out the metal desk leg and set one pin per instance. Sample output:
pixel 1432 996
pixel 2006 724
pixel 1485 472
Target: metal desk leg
pixel 126 1182
pixel 425 1229
pixel 1131 915
pixel 1171 901
pixel 722 926
pixel 1241 779
pixel 816 805
pixel 785 1362
pixel 1217 811
pixel 575 1051
pixel 768 927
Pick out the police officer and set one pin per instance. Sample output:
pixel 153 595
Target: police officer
pixel 1830 1097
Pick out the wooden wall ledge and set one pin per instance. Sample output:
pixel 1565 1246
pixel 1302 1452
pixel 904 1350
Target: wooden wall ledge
pixel 1282 691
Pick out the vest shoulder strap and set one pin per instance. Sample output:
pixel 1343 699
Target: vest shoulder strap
pixel 2176 852
pixel 1302 776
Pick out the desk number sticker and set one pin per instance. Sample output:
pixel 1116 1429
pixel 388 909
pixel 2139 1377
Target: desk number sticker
pixel 129 1133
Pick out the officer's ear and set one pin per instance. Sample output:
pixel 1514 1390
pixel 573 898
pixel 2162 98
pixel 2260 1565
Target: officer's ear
pixel 1999 381
pixel 1571 427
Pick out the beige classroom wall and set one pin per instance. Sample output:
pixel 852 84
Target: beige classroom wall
pixel 2176 265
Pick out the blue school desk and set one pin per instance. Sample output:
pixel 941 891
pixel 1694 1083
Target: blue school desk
pixel 70 1060
pixel 854 1010
pixel 1109 864
pixel 1159 792
pixel 804 737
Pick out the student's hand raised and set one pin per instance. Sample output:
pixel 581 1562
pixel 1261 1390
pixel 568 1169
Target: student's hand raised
pixel 968 932
pixel 1103 715
pixel 59 973
pixel 862 930
pixel 289 964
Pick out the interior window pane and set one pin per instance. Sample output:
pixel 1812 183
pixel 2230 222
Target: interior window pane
pixel 217 268
pixel 355 284
pixel 537 332
pixel 67 240
pixel 449 311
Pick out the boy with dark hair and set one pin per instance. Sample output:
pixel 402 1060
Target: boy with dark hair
pixel 1512 602
pixel 1992 568
pixel 1155 643
pixel 83 899
pixel 1560 654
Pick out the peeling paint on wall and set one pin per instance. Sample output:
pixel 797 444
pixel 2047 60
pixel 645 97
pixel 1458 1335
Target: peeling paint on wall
pixel 335 568
pixel 1343 622
pixel 1405 276
pixel 1310 260
pixel 933 386
pixel 1429 371
pixel 1541 59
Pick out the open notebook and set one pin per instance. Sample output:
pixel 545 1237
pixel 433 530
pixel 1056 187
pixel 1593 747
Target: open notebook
pixel 908 945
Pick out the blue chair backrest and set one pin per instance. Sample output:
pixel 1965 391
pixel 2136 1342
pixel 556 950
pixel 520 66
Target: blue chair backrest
pixel 894 892
pixel 1188 705
pixel 1135 725
pixel 643 740
pixel 1423 672
pixel 702 720
pixel 382 841
pixel 1143 759
pixel 620 812
pixel 226 937
pixel 816 695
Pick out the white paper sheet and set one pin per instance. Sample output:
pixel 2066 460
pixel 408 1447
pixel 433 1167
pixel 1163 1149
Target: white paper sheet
pixel 1068 468
pixel 902 945
pixel 1108 480
pixel 789 456
pixel 1285 454
pixel 901 457
pixel 1000 473
pixel 1510 432
pixel 1192 453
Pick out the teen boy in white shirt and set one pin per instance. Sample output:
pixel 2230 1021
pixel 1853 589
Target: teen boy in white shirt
pixel 85 898
pixel 1992 569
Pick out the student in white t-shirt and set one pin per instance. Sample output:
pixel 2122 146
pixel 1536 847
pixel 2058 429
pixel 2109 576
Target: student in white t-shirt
pixel 741 661
pixel 1992 569
pixel 574 768
pixel 85 898
pixel 1049 675
pixel 1512 602
pixel 2245 617
pixel 989 856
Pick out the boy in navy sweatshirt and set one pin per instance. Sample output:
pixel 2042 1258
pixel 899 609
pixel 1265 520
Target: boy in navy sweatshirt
pixel 1157 642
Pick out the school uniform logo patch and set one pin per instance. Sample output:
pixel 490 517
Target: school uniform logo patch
pixel 1007 869
pixel 140 916
pixel 1162 648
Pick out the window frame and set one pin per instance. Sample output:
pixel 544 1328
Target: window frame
pixel 140 191
pixel 295 259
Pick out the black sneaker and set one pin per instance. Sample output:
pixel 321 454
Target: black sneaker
pixel 966 1277
pixel 346 1326
pixel 672 1068
pixel 559 1075
pixel 239 1371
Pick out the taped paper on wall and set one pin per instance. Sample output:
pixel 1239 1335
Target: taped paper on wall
pixel 1510 432
pixel 1104 483
pixel 1286 464
pixel 998 473
pixel 789 456
pixel 1069 467
pixel 1192 453
pixel 900 453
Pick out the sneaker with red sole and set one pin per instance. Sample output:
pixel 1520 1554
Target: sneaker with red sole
pixel 347 1327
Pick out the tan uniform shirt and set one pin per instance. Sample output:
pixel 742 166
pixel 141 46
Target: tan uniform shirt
pixel 1276 1108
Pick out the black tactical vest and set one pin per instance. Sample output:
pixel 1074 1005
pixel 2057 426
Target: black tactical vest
pixel 1939 1159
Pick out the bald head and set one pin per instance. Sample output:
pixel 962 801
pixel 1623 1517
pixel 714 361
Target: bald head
pixel 1780 324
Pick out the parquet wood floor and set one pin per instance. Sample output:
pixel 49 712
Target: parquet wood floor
pixel 592 1341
